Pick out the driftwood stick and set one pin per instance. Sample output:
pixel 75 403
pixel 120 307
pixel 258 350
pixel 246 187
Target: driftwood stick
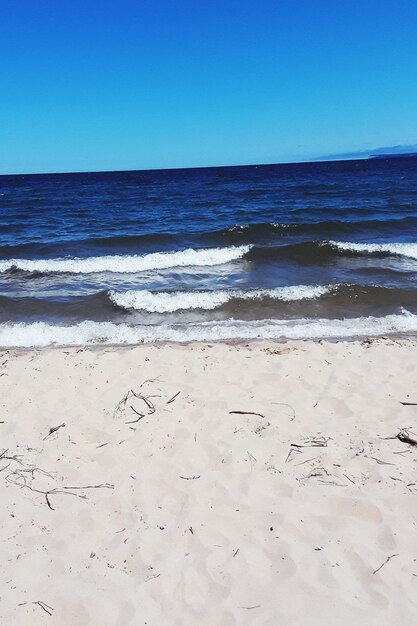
pixel 53 430
pixel 406 437
pixel 140 416
pixel 246 413
pixel 173 397
pixel 145 399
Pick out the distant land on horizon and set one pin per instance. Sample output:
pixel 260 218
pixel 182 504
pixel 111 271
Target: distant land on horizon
pixel 392 155
pixel 376 153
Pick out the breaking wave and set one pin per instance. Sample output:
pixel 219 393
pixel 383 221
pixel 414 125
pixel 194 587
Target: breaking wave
pixel 401 249
pixel 40 334
pixel 129 263
pixel 168 302
pixel 309 252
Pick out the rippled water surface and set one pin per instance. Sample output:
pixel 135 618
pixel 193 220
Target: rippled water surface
pixel 301 250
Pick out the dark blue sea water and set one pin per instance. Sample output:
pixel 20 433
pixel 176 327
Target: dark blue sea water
pixel 300 250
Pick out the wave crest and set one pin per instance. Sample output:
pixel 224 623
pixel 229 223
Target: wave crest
pixel 129 264
pixel 168 302
pixel 402 249
pixel 307 252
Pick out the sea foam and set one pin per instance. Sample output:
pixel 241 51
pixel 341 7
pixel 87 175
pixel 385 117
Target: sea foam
pixel 39 334
pixel 130 264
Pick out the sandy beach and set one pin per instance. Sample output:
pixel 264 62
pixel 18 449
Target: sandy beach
pixel 258 483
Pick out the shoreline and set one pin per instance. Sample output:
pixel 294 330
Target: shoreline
pixel 98 347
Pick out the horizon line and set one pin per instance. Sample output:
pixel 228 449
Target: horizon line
pixel 195 167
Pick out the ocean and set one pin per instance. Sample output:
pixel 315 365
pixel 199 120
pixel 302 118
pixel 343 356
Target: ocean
pixel 313 250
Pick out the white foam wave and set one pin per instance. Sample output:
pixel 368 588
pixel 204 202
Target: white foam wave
pixel 132 263
pixel 402 249
pixel 40 334
pixel 167 302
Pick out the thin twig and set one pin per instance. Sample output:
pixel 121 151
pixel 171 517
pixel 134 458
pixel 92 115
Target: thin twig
pixel 173 397
pixel 48 609
pixel 121 404
pixel 315 473
pixel 56 490
pixel 406 437
pixel 379 461
pixel 149 380
pixel 15 457
pixel 312 442
pixel 152 577
pixel 140 415
pixel 101 486
pixel 306 461
pixel 291 451
pixel 289 406
pixel 145 399
pixel 384 563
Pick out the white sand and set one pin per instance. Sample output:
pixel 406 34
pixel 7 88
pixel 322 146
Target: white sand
pixel 254 536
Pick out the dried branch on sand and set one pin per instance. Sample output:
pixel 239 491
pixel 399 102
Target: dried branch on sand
pixel 16 478
pixel 406 437
pixel 24 475
pixel 121 405
pixel 45 607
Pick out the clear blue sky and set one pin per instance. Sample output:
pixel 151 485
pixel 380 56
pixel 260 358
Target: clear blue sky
pixel 93 85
